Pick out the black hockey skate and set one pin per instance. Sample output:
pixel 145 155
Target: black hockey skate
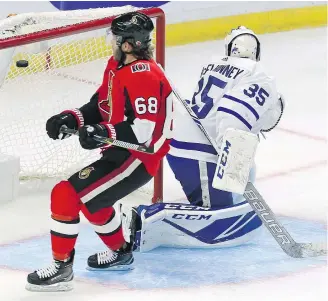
pixel 131 223
pixel 109 260
pixel 57 277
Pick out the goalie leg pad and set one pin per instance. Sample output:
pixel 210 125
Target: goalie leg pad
pixel 196 178
pixel 177 225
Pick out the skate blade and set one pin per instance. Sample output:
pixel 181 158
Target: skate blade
pixel 114 268
pixel 57 287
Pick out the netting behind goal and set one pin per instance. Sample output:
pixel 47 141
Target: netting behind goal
pixel 66 53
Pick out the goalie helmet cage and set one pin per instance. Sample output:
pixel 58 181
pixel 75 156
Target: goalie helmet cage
pixel 50 37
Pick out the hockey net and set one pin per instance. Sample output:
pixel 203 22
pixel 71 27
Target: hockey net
pixel 66 53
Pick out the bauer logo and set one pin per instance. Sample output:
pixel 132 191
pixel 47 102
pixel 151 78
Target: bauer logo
pixel 224 159
pixel 140 67
pixel 267 217
pixel 85 173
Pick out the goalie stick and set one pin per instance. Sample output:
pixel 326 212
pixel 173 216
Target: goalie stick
pixel 110 141
pixel 258 204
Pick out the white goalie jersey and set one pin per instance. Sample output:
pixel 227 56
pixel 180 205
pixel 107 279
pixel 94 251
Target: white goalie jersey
pixel 231 93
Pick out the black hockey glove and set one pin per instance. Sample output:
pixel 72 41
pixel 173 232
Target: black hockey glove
pixel 88 131
pixel 56 122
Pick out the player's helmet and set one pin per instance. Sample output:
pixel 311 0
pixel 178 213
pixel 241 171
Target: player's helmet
pixel 242 42
pixel 133 27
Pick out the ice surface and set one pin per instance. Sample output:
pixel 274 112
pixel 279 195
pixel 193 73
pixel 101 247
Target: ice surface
pixel 291 176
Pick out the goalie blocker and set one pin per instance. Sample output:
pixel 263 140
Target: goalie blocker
pixel 235 161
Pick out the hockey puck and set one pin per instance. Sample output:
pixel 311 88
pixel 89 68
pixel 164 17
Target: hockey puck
pixel 21 64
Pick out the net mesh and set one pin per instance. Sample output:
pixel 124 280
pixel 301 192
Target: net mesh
pixel 62 73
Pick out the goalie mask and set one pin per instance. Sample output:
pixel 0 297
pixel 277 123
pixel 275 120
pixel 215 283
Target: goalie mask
pixel 134 28
pixel 242 42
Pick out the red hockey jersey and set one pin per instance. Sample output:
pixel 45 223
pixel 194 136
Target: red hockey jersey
pixel 135 101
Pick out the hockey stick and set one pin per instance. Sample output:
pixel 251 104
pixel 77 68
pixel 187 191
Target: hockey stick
pixel 263 211
pixel 110 141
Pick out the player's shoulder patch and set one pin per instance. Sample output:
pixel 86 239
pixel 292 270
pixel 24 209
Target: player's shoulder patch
pixel 140 67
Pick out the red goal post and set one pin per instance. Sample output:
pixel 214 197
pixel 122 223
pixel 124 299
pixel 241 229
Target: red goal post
pixel 86 26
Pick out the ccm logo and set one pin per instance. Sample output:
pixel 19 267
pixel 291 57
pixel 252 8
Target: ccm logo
pixel 191 216
pixel 224 159
pixel 140 67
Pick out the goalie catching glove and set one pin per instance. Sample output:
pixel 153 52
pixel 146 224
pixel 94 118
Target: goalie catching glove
pixel 86 134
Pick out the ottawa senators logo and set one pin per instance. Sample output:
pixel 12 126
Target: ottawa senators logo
pixel 140 67
pixel 134 20
pixel 103 106
pixel 84 173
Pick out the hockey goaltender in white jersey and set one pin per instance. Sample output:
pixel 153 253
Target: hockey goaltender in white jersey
pixel 233 92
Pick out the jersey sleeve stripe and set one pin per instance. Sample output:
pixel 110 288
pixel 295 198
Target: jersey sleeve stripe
pixel 247 105
pixel 193 146
pixel 242 119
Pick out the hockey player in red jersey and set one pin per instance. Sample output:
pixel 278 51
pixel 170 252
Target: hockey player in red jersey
pixel 133 104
